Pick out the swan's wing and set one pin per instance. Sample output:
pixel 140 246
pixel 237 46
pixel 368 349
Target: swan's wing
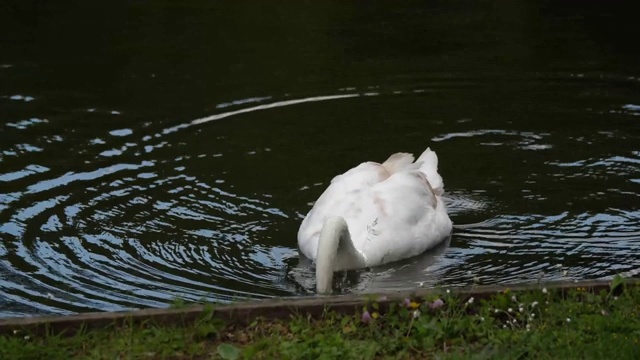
pixel 344 197
pixel 408 218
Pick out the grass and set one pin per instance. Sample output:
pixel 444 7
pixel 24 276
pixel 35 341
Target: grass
pixel 536 324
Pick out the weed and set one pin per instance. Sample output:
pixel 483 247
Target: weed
pixel 541 324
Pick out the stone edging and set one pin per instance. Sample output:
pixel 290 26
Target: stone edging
pixel 246 312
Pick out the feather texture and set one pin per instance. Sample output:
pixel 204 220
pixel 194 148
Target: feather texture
pixel 392 211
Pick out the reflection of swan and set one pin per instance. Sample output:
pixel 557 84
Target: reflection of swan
pixel 374 214
pixel 424 270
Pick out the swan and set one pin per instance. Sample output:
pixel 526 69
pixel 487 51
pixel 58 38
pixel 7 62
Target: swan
pixel 375 214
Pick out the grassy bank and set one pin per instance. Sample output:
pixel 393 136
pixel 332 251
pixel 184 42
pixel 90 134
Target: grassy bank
pixel 535 324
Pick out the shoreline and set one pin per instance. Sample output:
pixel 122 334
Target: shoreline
pixel 244 313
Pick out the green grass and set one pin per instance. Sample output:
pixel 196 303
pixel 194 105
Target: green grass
pixel 534 324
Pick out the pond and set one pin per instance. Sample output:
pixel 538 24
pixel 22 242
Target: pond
pixel 153 151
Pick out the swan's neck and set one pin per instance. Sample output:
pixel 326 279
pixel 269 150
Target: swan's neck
pixel 335 252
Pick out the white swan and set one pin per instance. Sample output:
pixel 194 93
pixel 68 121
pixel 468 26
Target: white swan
pixel 375 214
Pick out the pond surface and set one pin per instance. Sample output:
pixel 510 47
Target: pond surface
pixel 154 151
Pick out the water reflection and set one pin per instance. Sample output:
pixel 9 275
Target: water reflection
pixel 139 233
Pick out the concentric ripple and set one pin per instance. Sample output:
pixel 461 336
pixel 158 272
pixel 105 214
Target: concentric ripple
pixel 138 213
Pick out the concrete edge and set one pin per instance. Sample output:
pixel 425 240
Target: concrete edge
pixel 244 313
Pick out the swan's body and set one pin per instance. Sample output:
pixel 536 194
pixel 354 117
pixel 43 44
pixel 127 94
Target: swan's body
pixel 374 214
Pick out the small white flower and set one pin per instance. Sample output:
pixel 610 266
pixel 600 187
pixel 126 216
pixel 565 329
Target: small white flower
pixel 568 320
pixel 416 314
pixel 514 321
pixel 534 304
pixel 528 326
pixel 504 326
pixel 544 290
pixel 615 298
pixel 481 318
pixel 496 311
pixel 521 309
pixel 26 337
pixel 533 315
pixel 470 301
pixel 15 332
pixel 448 291
pixel 509 310
pixel 513 298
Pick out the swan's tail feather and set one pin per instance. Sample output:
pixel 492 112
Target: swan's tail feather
pixel 427 163
pixel 398 161
pixel 429 167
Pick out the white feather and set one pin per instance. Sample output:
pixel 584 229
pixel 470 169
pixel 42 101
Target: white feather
pixel 391 211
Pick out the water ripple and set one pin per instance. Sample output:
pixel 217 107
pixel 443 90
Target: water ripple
pixel 141 215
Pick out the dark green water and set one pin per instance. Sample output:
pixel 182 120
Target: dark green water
pixel 113 194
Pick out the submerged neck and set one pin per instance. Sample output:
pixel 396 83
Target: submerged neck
pixel 334 237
